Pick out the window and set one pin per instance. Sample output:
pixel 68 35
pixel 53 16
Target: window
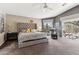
pixel 1 24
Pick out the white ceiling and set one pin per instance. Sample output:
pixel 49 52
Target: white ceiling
pixel 35 10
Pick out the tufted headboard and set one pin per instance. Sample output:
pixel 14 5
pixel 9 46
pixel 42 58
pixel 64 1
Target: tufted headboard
pixel 22 26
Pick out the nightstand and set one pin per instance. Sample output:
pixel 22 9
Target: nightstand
pixel 12 36
pixel 54 34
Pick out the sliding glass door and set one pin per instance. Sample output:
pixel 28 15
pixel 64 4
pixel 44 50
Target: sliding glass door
pixel 71 29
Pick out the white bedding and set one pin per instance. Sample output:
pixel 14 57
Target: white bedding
pixel 31 36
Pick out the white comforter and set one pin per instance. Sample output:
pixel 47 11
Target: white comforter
pixel 33 35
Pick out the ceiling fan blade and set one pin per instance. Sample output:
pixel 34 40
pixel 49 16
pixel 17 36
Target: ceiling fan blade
pixel 49 8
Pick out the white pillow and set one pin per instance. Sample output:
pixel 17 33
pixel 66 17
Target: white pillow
pixel 34 30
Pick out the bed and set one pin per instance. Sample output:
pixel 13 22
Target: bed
pixel 32 38
pixel 27 39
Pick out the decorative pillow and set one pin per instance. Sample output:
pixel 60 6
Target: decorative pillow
pixel 24 30
pixel 29 30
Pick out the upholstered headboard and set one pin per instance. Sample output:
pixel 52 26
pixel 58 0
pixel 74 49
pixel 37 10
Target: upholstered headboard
pixel 22 26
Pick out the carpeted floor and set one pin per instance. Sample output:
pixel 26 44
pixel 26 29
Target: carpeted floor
pixel 53 47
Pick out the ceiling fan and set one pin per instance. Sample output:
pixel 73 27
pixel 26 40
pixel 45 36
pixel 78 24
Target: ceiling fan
pixel 45 6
